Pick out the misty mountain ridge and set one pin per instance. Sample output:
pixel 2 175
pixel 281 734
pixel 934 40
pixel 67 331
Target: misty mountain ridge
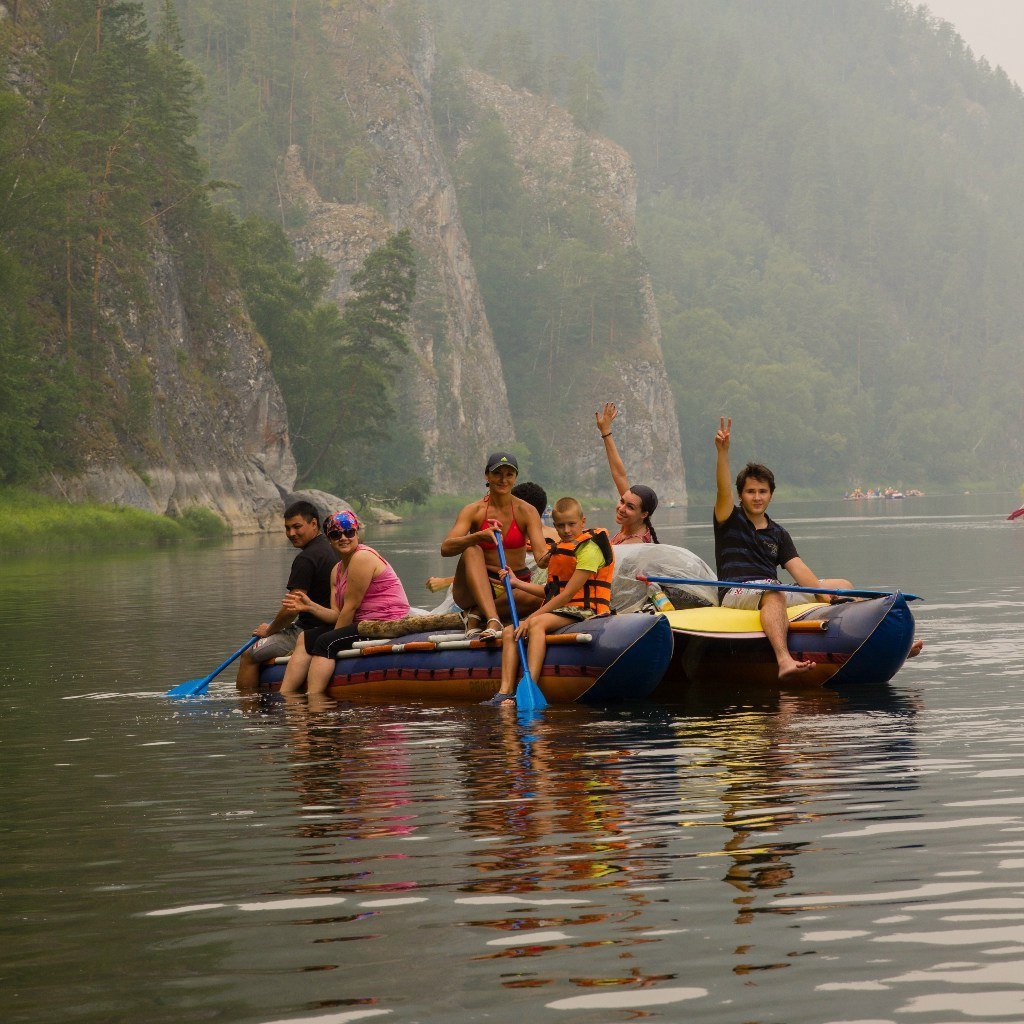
pixel 826 243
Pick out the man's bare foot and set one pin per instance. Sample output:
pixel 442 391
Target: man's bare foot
pixel 915 648
pixel 791 667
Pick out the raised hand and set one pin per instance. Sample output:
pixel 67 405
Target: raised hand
pixel 605 416
pixel 724 434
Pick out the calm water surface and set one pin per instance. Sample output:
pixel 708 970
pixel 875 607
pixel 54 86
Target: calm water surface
pixel 772 858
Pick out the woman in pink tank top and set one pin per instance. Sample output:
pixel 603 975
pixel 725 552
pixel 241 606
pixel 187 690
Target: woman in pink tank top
pixel 363 586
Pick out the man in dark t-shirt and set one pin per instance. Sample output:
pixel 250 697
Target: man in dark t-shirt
pixel 750 547
pixel 310 574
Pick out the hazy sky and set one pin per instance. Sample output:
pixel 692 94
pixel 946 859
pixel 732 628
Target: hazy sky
pixel 993 29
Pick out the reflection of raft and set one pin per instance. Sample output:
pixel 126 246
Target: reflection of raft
pixel 611 658
pixel 858 643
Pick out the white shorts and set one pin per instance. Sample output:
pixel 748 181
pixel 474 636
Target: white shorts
pixel 749 600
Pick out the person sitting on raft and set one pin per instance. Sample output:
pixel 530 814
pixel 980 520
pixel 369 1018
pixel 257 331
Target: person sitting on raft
pixel 529 492
pixel 579 587
pixel 478 589
pixel 363 586
pixel 636 502
pixel 750 546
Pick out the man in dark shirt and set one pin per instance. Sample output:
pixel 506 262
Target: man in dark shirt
pixel 749 548
pixel 310 574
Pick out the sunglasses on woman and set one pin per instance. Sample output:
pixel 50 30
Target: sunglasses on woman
pixel 338 534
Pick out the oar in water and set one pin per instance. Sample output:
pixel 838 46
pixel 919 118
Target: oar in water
pixel 194 687
pixel 785 587
pixel 528 695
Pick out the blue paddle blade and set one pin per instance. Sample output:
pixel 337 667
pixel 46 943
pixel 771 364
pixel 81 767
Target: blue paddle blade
pixel 528 695
pixel 194 687
pixel 189 688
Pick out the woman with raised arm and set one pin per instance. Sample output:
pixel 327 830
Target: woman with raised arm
pixel 636 502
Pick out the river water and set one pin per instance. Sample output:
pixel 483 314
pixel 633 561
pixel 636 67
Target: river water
pixel 792 858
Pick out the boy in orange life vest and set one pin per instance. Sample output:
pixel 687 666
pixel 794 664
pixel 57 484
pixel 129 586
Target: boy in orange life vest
pixel 579 587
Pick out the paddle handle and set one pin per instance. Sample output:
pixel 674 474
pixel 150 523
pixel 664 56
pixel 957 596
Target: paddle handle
pixel 784 587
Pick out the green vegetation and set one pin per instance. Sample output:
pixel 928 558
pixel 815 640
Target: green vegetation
pixel 335 368
pixel 830 211
pixel 94 153
pixel 29 520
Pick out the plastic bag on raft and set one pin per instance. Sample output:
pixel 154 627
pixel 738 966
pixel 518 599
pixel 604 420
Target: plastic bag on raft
pixel 629 594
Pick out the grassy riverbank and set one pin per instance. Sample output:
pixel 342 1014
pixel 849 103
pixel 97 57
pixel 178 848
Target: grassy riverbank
pixel 28 520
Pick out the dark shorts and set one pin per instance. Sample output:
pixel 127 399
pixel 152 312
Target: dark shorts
pixel 327 642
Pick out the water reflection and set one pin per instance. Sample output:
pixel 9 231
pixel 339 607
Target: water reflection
pixel 552 843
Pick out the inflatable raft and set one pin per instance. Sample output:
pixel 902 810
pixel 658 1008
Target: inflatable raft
pixel 856 643
pixel 607 659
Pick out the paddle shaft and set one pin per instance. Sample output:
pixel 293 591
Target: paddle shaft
pixel 784 587
pixel 511 601
pixel 234 657
pixel 528 693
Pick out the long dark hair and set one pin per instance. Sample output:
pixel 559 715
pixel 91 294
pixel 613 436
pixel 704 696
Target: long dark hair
pixel 648 503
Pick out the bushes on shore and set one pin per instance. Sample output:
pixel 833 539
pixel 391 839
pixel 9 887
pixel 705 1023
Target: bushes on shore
pixel 28 520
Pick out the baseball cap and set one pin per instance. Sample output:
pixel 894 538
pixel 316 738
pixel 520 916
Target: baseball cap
pixel 497 459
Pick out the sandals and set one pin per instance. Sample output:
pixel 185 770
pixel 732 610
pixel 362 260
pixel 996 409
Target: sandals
pixel 490 633
pixel 472 632
pixel 498 699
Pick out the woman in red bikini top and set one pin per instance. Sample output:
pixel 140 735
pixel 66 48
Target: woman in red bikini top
pixel 478 589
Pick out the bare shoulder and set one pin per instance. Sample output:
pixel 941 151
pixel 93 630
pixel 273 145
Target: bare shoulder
pixel 523 509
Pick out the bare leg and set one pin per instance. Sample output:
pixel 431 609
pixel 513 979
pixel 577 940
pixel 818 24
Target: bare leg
pixel 472 589
pixel 248 675
pixel 775 624
pixel 321 671
pixel 295 671
pixel 509 661
pixel 540 626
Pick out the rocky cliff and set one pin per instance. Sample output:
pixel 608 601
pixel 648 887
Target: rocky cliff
pixel 546 144
pixel 195 417
pixel 452 390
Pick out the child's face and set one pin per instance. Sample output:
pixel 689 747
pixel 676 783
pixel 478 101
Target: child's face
pixel 570 525
pixel 755 496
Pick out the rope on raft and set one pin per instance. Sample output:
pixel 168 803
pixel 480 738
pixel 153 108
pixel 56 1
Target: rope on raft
pixel 369 648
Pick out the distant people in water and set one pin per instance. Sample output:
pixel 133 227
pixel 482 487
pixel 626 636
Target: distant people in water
pixel 363 586
pixel 637 502
pixel 477 588
pixel 309 577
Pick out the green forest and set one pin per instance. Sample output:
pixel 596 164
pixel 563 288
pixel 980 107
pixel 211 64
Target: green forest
pixel 828 209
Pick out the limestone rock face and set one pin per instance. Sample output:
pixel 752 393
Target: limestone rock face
pixel 545 142
pixel 452 389
pixel 215 432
